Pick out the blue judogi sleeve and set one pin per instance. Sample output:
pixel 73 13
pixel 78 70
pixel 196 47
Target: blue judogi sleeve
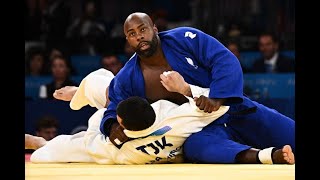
pixel 218 68
pixel 226 73
pixel 110 113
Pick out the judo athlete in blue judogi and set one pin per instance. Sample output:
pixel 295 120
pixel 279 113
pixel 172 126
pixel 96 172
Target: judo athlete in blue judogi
pixel 236 137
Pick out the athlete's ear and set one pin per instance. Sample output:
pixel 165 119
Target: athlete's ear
pixel 155 29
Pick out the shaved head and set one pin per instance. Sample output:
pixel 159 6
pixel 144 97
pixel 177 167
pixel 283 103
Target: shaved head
pixel 137 17
pixel 141 34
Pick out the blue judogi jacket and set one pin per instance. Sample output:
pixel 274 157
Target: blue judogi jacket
pixel 200 58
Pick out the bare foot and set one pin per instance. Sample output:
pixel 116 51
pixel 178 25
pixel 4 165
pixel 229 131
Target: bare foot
pixel 33 142
pixel 283 156
pixel 66 93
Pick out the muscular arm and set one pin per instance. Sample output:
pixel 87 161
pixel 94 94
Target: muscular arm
pixel 174 82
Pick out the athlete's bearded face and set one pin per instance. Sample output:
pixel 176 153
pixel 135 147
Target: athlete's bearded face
pixel 147 48
pixel 141 34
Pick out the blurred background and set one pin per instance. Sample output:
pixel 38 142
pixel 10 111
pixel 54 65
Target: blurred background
pixel 67 39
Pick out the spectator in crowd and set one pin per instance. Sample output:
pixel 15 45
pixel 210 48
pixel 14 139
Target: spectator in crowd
pixel 60 69
pixel 234 31
pixel 235 49
pixel 54 52
pixel 47 127
pixel 88 32
pixel 111 62
pixel 35 62
pixel 56 19
pixel 272 60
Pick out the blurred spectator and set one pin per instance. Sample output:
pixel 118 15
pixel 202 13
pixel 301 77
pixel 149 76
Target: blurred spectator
pixel 88 32
pixel 234 31
pixel 60 69
pixel 53 53
pixel 56 19
pixel 272 61
pixel 35 62
pixel 235 49
pixel 111 62
pixel 58 51
pixel 47 127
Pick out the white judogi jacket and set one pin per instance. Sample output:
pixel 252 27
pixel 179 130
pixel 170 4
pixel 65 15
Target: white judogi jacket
pixel 160 143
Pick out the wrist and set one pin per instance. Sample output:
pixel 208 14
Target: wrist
pixel 186 90
pixel 107 126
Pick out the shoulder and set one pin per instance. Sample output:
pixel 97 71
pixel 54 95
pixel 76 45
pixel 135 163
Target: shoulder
pixel 182 38
pixel 182 29
pixel 180 32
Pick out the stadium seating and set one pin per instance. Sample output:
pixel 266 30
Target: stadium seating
pixel 248 57
pixel 32 85
pixel 84 64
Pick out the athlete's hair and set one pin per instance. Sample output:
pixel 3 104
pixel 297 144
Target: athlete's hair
pixel 136 113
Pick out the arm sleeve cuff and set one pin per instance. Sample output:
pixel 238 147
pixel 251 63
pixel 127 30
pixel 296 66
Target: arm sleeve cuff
pixel 105 125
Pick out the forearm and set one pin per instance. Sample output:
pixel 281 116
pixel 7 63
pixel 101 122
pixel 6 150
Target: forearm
pixel 186 90
pixel 106 126
pixel 109 117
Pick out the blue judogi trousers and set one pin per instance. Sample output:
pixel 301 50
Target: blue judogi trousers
pixel 223 139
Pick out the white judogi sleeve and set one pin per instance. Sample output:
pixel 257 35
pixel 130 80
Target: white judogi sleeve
pixel 62 149
pixel 92 90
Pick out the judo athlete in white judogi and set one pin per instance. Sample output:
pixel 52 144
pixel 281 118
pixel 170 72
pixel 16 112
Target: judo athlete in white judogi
pixel 160 143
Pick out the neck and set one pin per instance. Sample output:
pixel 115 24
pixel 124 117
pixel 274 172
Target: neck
pixel 157 59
